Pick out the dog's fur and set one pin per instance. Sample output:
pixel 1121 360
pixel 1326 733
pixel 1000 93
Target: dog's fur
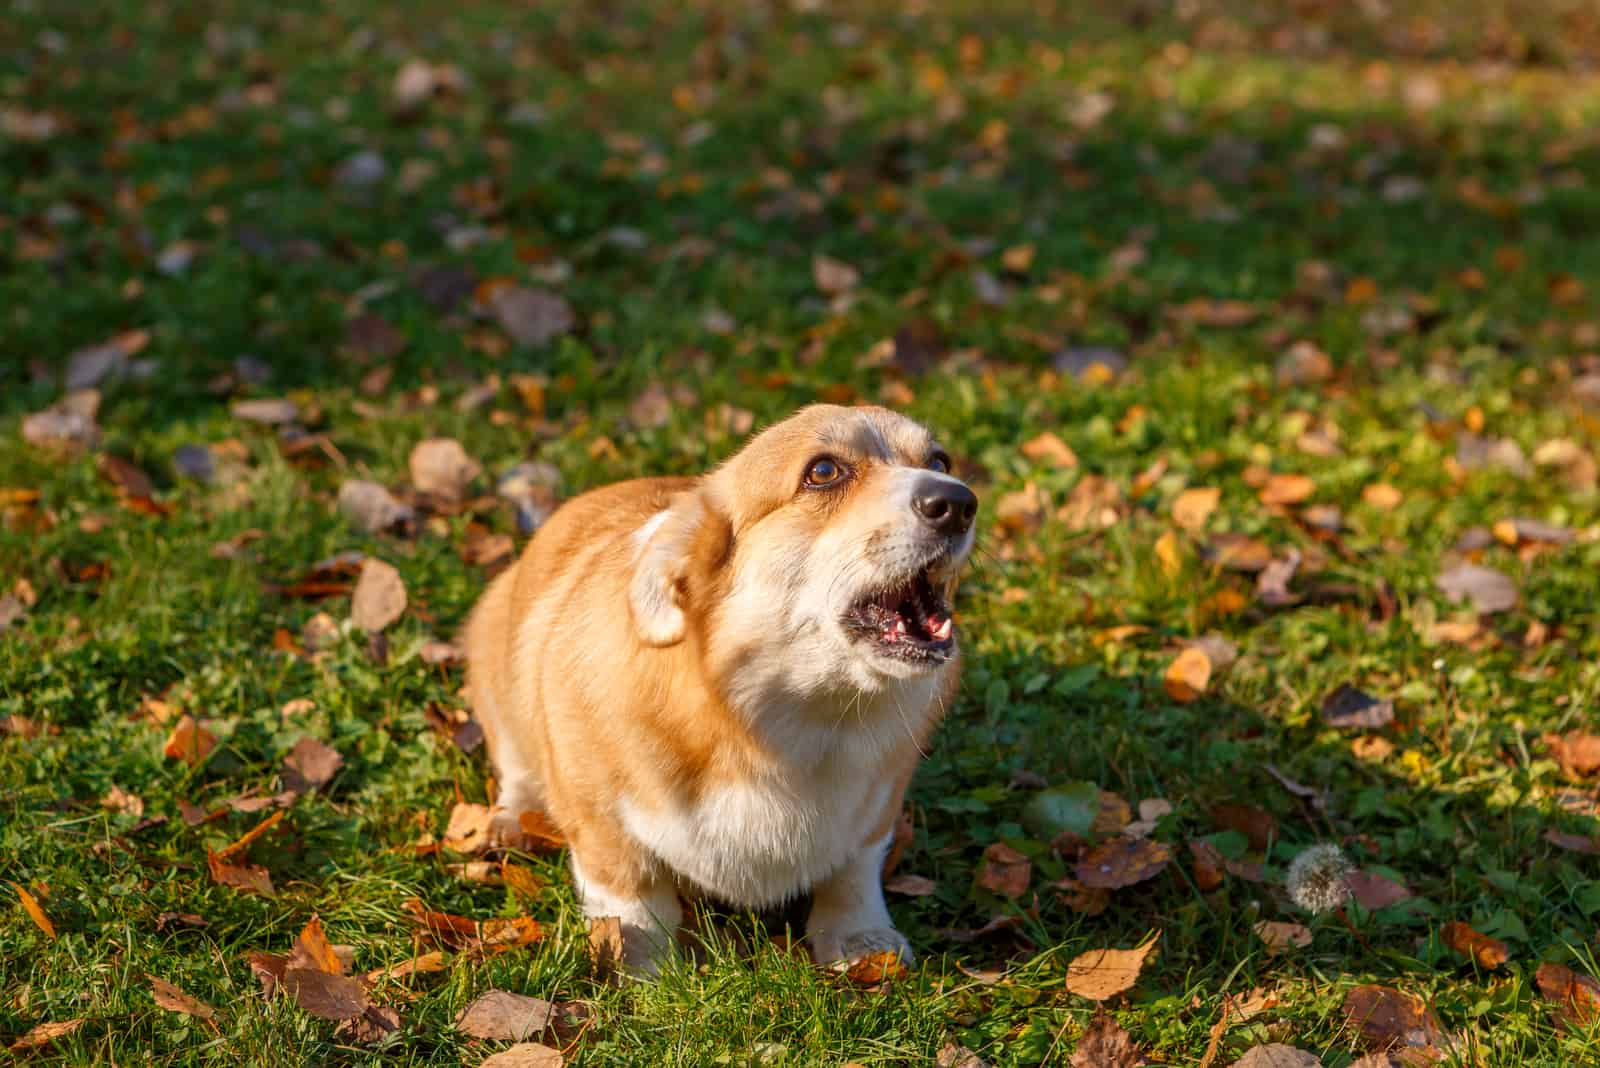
pixel 666 673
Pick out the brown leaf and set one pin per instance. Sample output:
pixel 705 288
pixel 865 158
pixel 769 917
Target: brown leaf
pixel 1194 506
pixel 911 885
pixel 442 468
pixel 505 1017
pixel 127 477
pixel 1284 490
pixel 1256 824
pixel 1216 313
pixel 1049 448
pixel 245 840
pixel 951 1055
pixel 44 1034
pixel 268 411
pixel 1382 496
pixel 1489 590
pixel 469 829
pixel 1104 973
pixel 1188 675
pixel 249 877
pixel 539 832
pixel 833 276
pixel 325 994
pixel 532 317
pixel 1349 708
pixel 1489 953
pixel 1389 1019
pixel 1004 871
pixel 1104 1044
pixel 119 800
pixel 1373 891
pixel 875 969
pixel 1577 752
pixel 313 951
pixel 606 947
pixel 30 905
pixel 1123 862
pixel 422 964
pixel 1237 552
pixel 379 598
pixel 372 1025
pixel 525 1055
pixel 189 742
pixel 1577 996
pixel 1573 843
pixel 1277 1055
pixel 1272 584
pixel 310 765
pixel 371 508
pixel 1281 937
pixel 171 998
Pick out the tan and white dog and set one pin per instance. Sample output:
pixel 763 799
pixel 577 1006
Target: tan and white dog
pixel 722 685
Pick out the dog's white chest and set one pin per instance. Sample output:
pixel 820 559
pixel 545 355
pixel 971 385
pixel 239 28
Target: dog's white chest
pixel 766 840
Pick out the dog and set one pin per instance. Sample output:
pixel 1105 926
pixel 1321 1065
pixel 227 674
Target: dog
pixel 721 685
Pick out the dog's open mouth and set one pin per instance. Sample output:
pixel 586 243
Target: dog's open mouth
pixel 911 621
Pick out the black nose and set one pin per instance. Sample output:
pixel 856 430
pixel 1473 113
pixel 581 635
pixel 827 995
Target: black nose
pixel 945 505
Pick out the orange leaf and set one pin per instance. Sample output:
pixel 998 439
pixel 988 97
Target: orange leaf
pixel 876 968
pixel 30 905
pixel 1050 449
pixel 312 950
pixel 1287 489
pixel 1005 871
pixel 228 852
pixel 189 742
pixel 1104 973
pixel 1488 952
pixel 1194 506
pixel 1188 675
pixel 1169 554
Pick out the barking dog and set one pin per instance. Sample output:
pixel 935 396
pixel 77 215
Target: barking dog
pixel 721 685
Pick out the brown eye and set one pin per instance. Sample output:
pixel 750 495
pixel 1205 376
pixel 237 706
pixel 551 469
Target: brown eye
pixel 939 462
pixel 824 472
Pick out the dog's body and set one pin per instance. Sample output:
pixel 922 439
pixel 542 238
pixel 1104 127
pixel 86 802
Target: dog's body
pixel 723 684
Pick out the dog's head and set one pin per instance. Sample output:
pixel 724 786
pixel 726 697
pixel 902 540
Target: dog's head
pixel 824 555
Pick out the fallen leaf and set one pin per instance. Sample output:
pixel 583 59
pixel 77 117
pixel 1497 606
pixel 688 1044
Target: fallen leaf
pixel 1386 1018
pixel 1272 584
pixel 833 276
pixel 189 742
pixel 1104 973
pixel 1168 553
pixel 1188 675
pixel 1382 496
pixel 310 765
pixel 171 998
pixel 313 951
pixel 1004 871
pixel 1104 1044
pixel 1489 953
pixel 1284 490
pixel 1487 589
pixel 325 994
pixel 1350 709
pixel 1373 891
pixel 423 964
pixel 500 1015
pixel 372 509
pixel 1049 448
pixel 249 877
pixel 1088 900
pixel 1577 996
pixel 1573 843
pixel 469 827
pixel 1123 862
pixel 1194 506
pixel 911 885
pixel 951 1055
pixel 30 905
pixel 606 947
pixel 1281 937
pixel 247 839
pixel 379 598
pixel 533 317
pixel 1578 753
pixel 44 1034
pixel 270 412
pixel 119 800
pixel 372 1025
pixel 442 468
pixel 1238 552
pixel 525 1055
pixel 875 969
pixel 1278 1055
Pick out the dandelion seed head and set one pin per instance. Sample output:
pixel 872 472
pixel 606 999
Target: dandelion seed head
pixel 1316 878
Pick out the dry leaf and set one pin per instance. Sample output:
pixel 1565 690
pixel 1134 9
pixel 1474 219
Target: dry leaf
pixel 1104 1044
pixel 30 905
pixel 1169 554
pixel 442 468
pixel 1577 996
pixel 1050 449
pixel 371 508
pixel 1004 871
pixel 539 832
pixel 1281 937
pixel 119 800
pixel 525 1055
pixel 423 964
pixel 1349 708
pixel 313 951
pixel 1388 1019
pixel 1188 675
pixel 469 829
pixel 833 276
pixel 1487 589
pixel 532 317
pixel 1578 753
pixel 1284 490
pixel 951 1055
pixel 1123 862
pixel 606 947
pixel 1194 506
pixel 500 1015
pixel 1104 973
pixel 1256 824
pixel 1573 843
pixel 249 877
pixel 325 994
pixel 1382 496
pixel 379 598
pixel 1277 1055
pixel 1373 891
pixel 309 766
pixel 875 969
pixel 44 1034
pixel 171 998
pixel 189 742
pixel 911 885
pixel 1488 952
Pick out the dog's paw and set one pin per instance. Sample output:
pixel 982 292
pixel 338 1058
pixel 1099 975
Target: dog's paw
pixel 853 946
pixel 505 831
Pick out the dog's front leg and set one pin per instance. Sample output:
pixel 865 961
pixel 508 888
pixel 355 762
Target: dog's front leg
pixel 848 917
pixel 613 881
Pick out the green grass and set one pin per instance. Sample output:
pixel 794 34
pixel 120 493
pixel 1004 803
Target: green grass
pixel 1236 153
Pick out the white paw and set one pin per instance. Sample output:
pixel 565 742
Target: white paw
pixel 829 948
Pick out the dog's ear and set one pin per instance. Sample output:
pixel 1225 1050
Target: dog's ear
pixel 676 552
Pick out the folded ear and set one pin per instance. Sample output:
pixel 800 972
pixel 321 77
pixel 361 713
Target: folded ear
pixel 674 549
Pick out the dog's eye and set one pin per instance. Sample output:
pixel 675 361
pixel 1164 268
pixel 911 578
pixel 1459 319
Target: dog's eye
pixel 824 472
pixel 939 462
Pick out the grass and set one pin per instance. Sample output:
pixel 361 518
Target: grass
pixel 1413 196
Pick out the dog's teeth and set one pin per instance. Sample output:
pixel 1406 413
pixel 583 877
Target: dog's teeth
pixel 943 631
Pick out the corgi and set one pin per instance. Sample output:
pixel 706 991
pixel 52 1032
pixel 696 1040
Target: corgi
pixel 721 685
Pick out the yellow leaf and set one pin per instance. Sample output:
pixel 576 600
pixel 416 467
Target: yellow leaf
pixel 1506 532
pixel 1287 489
pixel 1104 973
pixel 1188 675
pixel 1017 258
pixel 1194 506
pixel 1169 554
pixel 1051 449
pixel 1382 496
pixel 30 904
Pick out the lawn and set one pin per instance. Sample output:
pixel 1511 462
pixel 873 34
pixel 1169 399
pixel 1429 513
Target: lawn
pixel 1266 332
